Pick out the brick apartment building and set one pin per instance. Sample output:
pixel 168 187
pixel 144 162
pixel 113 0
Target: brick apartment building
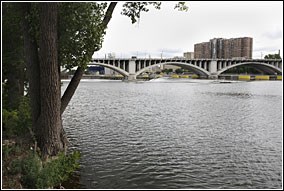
pixel 224 48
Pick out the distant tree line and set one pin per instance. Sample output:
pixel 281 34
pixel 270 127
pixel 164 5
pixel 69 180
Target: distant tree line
pixel 272 56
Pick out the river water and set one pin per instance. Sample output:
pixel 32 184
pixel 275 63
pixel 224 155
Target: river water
pixel 177 134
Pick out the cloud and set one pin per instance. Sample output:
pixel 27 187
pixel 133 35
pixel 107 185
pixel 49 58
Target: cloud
pixel 170 32
pixel 266 48
pixel 168 50
pixel 273 35
pixel 260 52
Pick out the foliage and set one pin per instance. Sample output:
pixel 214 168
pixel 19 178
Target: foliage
pixel 12 38
pixel 6 151
pixel 31 167
pixel 10 122
pixel 272 56
pixel 167 71
pixel 16 166
pixel 80 32
pixel 49 174
pixel 134 9
pixel 33 20
pixel 17 122
pixel 34 173
pixel 12 56
pixel 179 71
pixel 242 70
pixel 181 6
pixel 24 114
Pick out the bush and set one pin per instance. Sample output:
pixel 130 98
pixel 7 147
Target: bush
pixel 31 167
pixel 17 122
pixel 24 114
pixel 16 166
pixel 50 174
pixel 10 122
pixel 6 151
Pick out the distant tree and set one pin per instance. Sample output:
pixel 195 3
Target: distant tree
pixel 167 71
pixel 243 70
pixel 179 71
pixel 272 56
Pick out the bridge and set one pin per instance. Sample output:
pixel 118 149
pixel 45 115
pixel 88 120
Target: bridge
pixel 205 68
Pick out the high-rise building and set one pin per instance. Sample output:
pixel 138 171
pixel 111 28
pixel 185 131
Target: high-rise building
pixel 224 48
pixel 188 55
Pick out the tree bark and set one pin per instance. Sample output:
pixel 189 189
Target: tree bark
pixel 70 90
pixel 50 133
pixel 72 86
pixel 32 62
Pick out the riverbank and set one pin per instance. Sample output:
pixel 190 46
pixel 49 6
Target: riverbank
pixel 22 167
pixel 14 150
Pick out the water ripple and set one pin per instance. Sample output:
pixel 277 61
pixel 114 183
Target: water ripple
pixel 177 135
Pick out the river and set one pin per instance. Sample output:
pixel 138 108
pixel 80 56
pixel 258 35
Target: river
pixel 177 134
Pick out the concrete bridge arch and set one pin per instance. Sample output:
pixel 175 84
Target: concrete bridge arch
pixel 117 69
pixel 212 68
pixel 196 69
pixel 264 67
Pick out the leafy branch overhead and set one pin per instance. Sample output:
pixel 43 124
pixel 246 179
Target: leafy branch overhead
pixel 134 9
pixel 80 32
pixel 181 6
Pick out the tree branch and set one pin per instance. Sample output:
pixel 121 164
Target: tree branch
pixel 108 14
pixel 72 86
pixel 70 90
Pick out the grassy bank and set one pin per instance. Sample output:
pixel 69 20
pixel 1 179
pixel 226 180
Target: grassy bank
pixel 21 165
pixel 23 168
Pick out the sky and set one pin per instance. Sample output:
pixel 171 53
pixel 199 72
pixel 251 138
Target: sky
pixel 168 32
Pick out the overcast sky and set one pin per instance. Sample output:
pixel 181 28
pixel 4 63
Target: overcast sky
pixel 169 32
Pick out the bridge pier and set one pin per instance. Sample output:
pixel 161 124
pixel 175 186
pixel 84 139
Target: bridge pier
pixel 213 76
pixel 132 71
pixel 213 67
pixel 131 77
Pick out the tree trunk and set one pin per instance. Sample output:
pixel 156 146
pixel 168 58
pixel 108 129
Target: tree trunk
pixel 44 78
pixel 32 62
pixel 50 133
